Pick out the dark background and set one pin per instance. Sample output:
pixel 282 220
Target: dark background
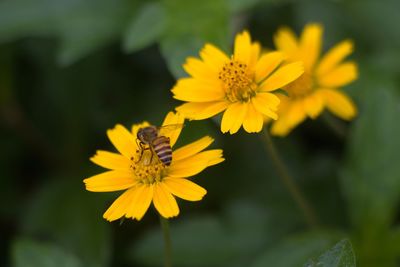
pixel 71 69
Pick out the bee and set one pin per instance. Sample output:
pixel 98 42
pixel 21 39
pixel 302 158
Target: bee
pixel 153 138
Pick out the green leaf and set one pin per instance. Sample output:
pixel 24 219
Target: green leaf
pixel 282 92
pixel 393 243
pixel 239 5
pixel 21 18
pixel 295 250
pixel 91 27
pixel 176 49
pixel 70 216
pixel 371 177
pixel 203 239
pixel 341 255
pixel 369 13
pixel 190 24
pixel 82 26
pixel 213 241
pixel 145 28
pixel 30 253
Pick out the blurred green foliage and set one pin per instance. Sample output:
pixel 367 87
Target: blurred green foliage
pixel 341 255
pixel 70 69
pixel 31 253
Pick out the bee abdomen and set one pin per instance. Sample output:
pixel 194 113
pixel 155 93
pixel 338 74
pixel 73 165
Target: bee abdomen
pixel 162 148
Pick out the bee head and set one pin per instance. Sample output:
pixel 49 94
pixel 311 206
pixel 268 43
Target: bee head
pixel 139 134
pixel 147 134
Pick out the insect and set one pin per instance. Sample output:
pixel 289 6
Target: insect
pixel 153 138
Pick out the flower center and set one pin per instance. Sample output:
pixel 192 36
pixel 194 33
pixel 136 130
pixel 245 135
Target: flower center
pixel 237 82
pixel 149 168
pixel 300 87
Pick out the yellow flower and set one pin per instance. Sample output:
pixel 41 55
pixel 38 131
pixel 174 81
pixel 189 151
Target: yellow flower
pixel 319 86
pixel 240 85
pixel 145 178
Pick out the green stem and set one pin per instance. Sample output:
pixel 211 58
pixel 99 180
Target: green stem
pixel 288 181
pixel 337 126
pixel 167 241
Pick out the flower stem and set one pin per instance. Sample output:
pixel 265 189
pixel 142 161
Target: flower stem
pixel 337 126
pixel 167 241
pixel 288 181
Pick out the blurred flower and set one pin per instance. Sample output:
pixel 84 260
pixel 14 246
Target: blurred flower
pixel 145 178
pixel 240 85
pixel 319 86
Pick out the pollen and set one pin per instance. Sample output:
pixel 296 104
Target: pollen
pixel 237 82
pixel 148 169
pixel 301 87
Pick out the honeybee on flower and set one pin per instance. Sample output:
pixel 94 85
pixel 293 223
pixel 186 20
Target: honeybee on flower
pixel 154 139
pixel 147 179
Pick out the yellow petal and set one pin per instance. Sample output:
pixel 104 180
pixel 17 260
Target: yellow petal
pixel 267 64
pixel 111 160
pixel 215 160
pixel 195 164
pixel 214 156
pixel 242 47
pixel 343 74
pixel 293 116
pixel 191 149
pixel 253 122
pixel 199 70
pixel 266 103
pixel 283 76
pixel 194 90
pixel 123 140
pixel 285 40
pixel 233 117
pixel 202 110
pixel 296 113
pixel 164 202
pixel 181 170
pixel 140 203
pixel 338 103
pixel 184 189
pixel 120 205
pixel 173 119
pixel 239 118
pixel 144 204
pixel 334 56
pixel 110 181
pixel 284 102
pixel 310 43
pixel 213 57
pixel 313 105
pixel 255 55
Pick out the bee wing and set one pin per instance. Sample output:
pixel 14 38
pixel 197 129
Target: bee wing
pixel 167 130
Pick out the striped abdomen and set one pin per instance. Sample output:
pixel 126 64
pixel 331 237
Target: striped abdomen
pixel 163 149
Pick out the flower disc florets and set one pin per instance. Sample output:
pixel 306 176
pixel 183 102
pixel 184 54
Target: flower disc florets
pixel 148 169
pixel 237 81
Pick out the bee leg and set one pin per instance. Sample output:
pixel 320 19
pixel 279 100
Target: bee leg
pixel 138 142
pixel 142 149
pixel 151 157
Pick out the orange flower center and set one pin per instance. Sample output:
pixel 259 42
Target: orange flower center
pixel 237 82
pixel 147 168
pixel 300 87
